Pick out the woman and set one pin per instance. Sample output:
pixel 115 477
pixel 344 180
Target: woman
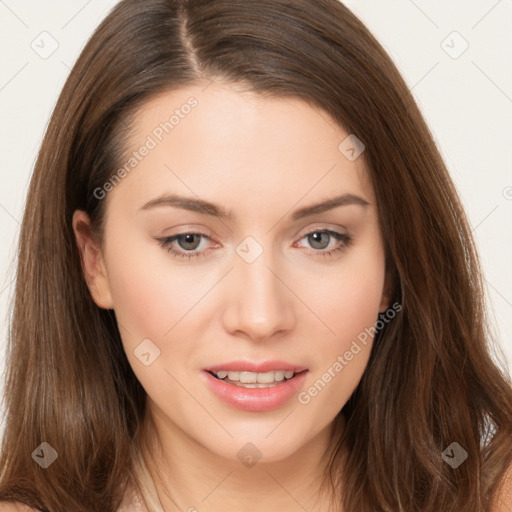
pixel 246 281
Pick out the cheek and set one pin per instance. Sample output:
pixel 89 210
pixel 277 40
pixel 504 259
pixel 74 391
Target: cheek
pixel 154 299
pixel 348 303
pixel 150 292
pixel 347 296
pixel 357 307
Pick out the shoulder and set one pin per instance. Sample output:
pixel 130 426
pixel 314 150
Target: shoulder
pixel 15 506
pixel 503 498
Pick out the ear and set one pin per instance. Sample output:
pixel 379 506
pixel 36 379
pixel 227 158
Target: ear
pixel 91 256
pixel 387 291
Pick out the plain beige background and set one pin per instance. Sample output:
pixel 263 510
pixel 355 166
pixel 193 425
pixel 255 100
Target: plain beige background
pixel 455 55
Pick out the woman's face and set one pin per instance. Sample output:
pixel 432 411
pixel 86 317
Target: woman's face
pixel 221 252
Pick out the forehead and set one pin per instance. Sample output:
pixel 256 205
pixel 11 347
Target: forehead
pixel 222 143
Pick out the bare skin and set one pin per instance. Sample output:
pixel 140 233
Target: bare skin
pixel 262 159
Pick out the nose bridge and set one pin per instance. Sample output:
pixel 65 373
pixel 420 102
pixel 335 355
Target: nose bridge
pixel 260 304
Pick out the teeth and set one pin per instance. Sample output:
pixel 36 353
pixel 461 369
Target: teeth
pixel 256 378
pixel 279 376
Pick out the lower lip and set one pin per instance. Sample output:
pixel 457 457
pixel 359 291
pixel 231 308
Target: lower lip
pixel 256 399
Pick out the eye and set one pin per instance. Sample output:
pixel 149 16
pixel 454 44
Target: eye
pixel 321 239
pixel 186 245
pixel 189 242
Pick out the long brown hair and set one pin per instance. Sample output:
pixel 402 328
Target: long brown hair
pixel 430 381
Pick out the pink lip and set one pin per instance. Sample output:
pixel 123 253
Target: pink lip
pixel 255 399
pixel 249 366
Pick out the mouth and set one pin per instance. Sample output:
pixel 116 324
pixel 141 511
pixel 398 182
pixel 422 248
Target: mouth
pixel 248 379
pixel 273 386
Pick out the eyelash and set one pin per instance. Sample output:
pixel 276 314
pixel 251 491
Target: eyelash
pixel 167 242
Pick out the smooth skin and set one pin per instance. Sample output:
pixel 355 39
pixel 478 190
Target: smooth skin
pixel 260 159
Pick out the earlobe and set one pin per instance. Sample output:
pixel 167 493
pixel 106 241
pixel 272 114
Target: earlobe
pixel 387 291
pixel 91 256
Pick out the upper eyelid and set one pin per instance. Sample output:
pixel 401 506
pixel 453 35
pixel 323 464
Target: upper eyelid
pixel 208 233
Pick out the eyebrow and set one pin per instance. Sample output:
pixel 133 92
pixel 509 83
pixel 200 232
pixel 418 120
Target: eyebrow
pixel 207 208
pixel 329 204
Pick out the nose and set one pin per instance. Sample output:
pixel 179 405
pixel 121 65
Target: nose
pixel 259 303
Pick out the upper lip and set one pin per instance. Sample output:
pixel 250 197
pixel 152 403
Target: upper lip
pixel 250 366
